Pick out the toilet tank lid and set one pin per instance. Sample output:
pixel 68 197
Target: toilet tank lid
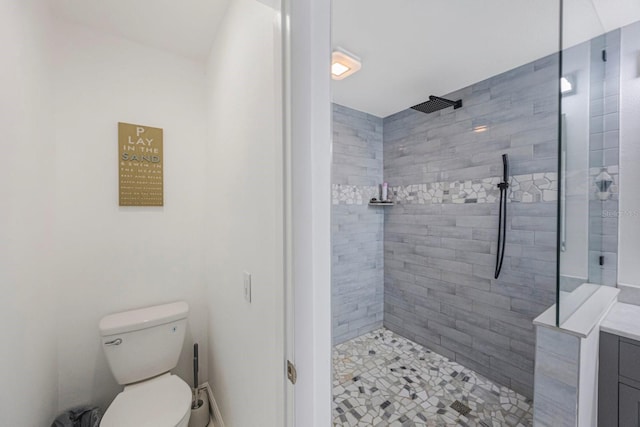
pixel 142 318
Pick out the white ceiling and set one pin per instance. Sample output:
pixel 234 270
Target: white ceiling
pixel 411 49
pixel 184 27
pixel 616 13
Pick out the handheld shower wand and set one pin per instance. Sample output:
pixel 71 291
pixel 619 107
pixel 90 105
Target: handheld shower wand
pixel 502 215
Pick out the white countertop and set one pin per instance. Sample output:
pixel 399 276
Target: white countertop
pixel 588 304
pixel 623 320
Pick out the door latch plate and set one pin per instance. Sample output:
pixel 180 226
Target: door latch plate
pixel 292 374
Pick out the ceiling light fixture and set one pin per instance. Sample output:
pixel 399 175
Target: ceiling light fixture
pixel 338 69
pixel 343 64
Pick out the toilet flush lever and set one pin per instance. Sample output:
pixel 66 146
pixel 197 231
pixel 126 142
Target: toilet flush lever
pixel 117 341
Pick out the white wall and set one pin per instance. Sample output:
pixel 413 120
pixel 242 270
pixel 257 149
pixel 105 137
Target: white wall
pixel 28 356
pixel 629 225
pixel 109 258
pixel 244 227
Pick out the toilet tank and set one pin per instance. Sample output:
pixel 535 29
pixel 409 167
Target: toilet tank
pixel 143 343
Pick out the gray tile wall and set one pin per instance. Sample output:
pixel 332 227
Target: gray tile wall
pixel 357 276
pixel 557 372
pixel 439 257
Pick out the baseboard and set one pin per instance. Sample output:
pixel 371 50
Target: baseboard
pixel 213 406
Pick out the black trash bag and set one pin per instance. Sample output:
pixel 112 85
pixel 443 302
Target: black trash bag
pixel 79 417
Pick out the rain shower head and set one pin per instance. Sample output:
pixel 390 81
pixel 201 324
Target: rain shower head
pixel 436 103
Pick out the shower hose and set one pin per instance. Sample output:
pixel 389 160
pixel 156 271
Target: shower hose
pixel 502 216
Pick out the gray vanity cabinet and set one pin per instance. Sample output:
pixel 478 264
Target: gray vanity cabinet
pixel 629 406
pixel 619 382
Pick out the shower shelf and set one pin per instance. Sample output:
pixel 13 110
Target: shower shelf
pixel 381 203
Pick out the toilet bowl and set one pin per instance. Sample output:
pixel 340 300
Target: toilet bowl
pixel 161 401
pixel 141 347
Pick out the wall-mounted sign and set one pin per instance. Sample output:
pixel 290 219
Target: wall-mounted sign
pixel 140 165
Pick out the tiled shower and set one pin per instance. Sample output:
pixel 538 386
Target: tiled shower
pixel 416 279
pixel 424 267
pixel 440 250
pixel 357 233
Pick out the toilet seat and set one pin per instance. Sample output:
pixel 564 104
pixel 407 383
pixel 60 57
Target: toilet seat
pixel 163 401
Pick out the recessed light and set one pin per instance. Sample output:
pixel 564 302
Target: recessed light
pixel 338 69
pixel 479 129
pixel 343 64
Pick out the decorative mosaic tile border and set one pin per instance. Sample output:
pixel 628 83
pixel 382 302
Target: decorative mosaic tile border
pixel 528 188
pixel 344 194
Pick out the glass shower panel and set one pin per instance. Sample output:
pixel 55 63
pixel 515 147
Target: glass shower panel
pixel 581 87
pixel 589 155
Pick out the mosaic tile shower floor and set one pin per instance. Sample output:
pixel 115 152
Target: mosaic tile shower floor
pixel 382 379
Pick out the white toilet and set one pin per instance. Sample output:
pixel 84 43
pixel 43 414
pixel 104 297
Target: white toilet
pixel 142 346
